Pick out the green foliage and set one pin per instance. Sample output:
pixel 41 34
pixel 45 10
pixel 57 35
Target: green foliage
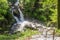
pixel 57 32
pixel 20 36
pixel 51 11
pixel 3 8
pixel 5 16
pixel 3 11
pixel 45 11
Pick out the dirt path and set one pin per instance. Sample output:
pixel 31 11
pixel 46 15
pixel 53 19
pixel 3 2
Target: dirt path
pixel 41 37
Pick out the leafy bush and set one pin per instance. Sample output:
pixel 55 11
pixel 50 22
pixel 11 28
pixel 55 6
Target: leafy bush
pixel 5 16
pixel 45 11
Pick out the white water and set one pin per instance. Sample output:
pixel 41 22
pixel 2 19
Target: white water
pixel 21 14
pixel 17 3
pixel 17 20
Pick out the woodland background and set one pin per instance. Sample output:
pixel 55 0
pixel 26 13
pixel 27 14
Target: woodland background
pixel 42 10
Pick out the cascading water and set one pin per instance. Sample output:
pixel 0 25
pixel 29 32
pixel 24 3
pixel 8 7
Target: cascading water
pixel 19 25
pixel 17 20
pixel 21 14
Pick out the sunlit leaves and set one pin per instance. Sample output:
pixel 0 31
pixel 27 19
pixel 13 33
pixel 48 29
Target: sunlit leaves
pixel 3 6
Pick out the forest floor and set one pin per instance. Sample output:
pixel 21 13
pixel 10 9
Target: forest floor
pixel 29 35
pixel 40 36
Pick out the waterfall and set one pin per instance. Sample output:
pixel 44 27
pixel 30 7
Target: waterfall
pixel 17 20
pixel 20 13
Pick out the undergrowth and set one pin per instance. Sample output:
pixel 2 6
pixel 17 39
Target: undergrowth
pixel 20 35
